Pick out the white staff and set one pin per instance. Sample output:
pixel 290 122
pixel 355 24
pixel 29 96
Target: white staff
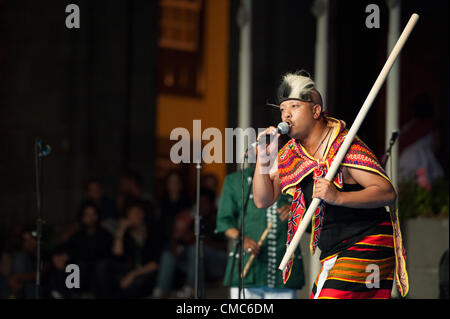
pixel 350 136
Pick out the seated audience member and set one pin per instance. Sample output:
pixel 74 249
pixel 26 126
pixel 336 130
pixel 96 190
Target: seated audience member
pixel 93 191
pixel 175 204
pixel 215 244
pixel 181 254
pixel 89 248
pixel 22 281
pixel 55 286
pixel 131 191
pixel 132 271
pixel 174 200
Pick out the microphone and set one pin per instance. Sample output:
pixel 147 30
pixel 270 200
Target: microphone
pixel 394 136
pixel 282 128
pixel 44 149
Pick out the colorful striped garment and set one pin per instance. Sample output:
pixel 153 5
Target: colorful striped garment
pixel 294 164
pixel 363 271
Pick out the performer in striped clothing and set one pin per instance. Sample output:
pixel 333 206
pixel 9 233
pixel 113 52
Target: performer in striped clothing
pixel 360 241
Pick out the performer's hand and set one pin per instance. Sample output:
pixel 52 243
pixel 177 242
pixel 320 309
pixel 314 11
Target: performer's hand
pixel 325 190
pixel 252 245
pixel 284 212
pixel 267 148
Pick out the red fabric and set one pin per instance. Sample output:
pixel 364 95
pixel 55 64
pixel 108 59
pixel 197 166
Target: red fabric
pixel 374 294
pixel 378 241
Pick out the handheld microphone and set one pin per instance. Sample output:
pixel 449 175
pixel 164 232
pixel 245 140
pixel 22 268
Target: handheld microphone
pixel 282 128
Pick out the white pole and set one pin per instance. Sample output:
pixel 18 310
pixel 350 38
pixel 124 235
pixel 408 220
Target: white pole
pixel 245 72
pixel 351 135
pixel 393 89
pixel 392 97
pixel 320 9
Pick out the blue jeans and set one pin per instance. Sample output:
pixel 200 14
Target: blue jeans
pixel 169 263
pixel 24 263
pixel 4 288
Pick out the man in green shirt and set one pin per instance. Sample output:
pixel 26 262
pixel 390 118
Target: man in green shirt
pixel 263 279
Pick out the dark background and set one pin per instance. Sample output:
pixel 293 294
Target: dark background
pixel 91 93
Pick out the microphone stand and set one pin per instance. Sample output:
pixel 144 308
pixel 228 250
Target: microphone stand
pixel 237 250
pixel 241 234
pixel 39 152
pixel 240 244
pixel 199 251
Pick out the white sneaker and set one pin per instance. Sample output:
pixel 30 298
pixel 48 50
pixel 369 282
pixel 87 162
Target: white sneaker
pixel 185 292
pixel 56 295
pixel 157 293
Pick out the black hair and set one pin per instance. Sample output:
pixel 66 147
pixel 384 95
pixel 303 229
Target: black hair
pixel 83 206
pixel 209 194
pixel 177 173
pixel 210 175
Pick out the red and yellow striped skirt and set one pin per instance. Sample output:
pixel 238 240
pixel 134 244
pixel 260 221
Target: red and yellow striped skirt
pixel 363 271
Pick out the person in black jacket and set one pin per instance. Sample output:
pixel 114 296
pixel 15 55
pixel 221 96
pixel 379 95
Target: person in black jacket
pixel 132 271
pixel 88 248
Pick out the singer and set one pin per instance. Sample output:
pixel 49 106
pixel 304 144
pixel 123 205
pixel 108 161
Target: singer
pixel 360 241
